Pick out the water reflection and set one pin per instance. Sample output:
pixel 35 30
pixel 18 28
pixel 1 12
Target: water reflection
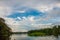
pixel 26 37
pixel 5 38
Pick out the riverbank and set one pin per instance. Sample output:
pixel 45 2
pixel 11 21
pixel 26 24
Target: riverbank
pixel 45 32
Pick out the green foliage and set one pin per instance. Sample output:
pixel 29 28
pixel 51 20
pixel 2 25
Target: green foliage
pixel 37 34
pixel 41 32
pixel 59 29
pixel 47 31
pixel 4 29
pixel 55 31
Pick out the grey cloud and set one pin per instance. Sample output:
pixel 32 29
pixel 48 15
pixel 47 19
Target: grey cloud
pixel 54 13
pixel 33 4
pixel 29 2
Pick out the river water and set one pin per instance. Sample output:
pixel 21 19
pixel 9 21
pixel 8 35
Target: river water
pixel 26 37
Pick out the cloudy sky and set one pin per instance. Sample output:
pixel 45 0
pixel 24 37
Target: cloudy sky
pixel 24 15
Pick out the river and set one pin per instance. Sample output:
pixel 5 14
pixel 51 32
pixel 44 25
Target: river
pixel 26 37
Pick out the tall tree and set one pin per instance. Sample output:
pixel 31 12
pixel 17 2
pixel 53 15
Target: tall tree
pixel 4 29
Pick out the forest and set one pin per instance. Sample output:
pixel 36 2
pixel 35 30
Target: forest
pixel 46 31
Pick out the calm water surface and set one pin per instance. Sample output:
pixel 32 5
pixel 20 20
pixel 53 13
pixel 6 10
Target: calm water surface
pixel 26 37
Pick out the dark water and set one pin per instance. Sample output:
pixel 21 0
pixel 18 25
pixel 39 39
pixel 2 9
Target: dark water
pixel 26 37
pixel 5 38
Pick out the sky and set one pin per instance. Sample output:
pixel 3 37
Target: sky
pixel 25 15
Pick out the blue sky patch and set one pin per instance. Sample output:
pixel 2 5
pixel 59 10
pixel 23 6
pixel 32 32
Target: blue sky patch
pixel 31 12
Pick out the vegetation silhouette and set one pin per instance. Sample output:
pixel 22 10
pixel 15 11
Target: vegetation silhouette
pixel 4 29
pixel 46 32
pixel 5 38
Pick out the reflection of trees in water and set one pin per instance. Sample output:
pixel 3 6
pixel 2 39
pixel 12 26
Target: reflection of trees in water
pixel 57 38
pixel 5 38
pixel 5 31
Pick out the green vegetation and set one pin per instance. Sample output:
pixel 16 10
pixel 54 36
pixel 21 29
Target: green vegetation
pixel 45 32
pixel 37 34
pixel 19 32
pixel 4 29
pixel 59 29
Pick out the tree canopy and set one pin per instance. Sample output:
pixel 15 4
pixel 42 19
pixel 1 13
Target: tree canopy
pixel 4 29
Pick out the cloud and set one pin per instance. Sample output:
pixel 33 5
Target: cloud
pixel 19 11
pixel 43 5
pixel 45 13
pixel 25 24
pixel 4 11
pixel 57 4
pixel 31 18
pixel 19 18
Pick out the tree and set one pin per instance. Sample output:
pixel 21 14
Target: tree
pixel 59 29
pixel 4 29
pixel 55 31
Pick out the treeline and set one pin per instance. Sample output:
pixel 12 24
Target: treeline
pixel 45 32
pixel 4 29
pixel 19 32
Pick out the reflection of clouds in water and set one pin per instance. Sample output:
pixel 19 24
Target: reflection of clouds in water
pixel 18 36
pixel 45 38
pixel 25 37
pixel 59 37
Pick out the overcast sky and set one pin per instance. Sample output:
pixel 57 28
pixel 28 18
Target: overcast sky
pixel 24 15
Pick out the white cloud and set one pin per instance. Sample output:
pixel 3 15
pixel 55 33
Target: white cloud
pixel 11 21
pixel 31 18
pixel 21 11
pixel 4 11
pixel 19 18
pixel 42 5
pixel 24 18
pixel 46 6
pixel 57 4
pixel 24 24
